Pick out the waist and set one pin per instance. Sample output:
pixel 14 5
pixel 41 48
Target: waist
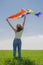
pixel 17 39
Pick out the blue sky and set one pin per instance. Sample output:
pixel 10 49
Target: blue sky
pixel 33 25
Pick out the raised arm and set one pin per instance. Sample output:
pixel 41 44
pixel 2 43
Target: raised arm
pixel 11 25
pixel 24 21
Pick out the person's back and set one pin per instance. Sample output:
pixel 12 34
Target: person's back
pixel 18 34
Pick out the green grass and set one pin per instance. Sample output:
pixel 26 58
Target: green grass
pixel 29 57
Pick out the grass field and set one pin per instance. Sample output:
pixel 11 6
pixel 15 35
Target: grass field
pixel 29 57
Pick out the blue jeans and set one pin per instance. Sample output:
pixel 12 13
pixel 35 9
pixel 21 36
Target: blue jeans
pixel 17 44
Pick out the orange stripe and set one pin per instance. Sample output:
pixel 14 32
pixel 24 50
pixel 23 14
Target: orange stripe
pixel 18 14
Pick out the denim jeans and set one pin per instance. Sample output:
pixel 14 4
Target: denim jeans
pixel 17 44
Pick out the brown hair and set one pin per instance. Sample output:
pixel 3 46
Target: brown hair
pixel 19 29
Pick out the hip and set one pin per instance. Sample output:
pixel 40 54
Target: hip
pixel 16 40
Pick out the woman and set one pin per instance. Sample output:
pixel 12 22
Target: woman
pixel 17 40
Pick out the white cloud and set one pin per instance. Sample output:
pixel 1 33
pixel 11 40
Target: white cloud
pixel 6 44
pixel 33 42
pixel 28 42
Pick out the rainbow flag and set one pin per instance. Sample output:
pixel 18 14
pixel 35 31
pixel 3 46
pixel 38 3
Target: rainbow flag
pixel 24 12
